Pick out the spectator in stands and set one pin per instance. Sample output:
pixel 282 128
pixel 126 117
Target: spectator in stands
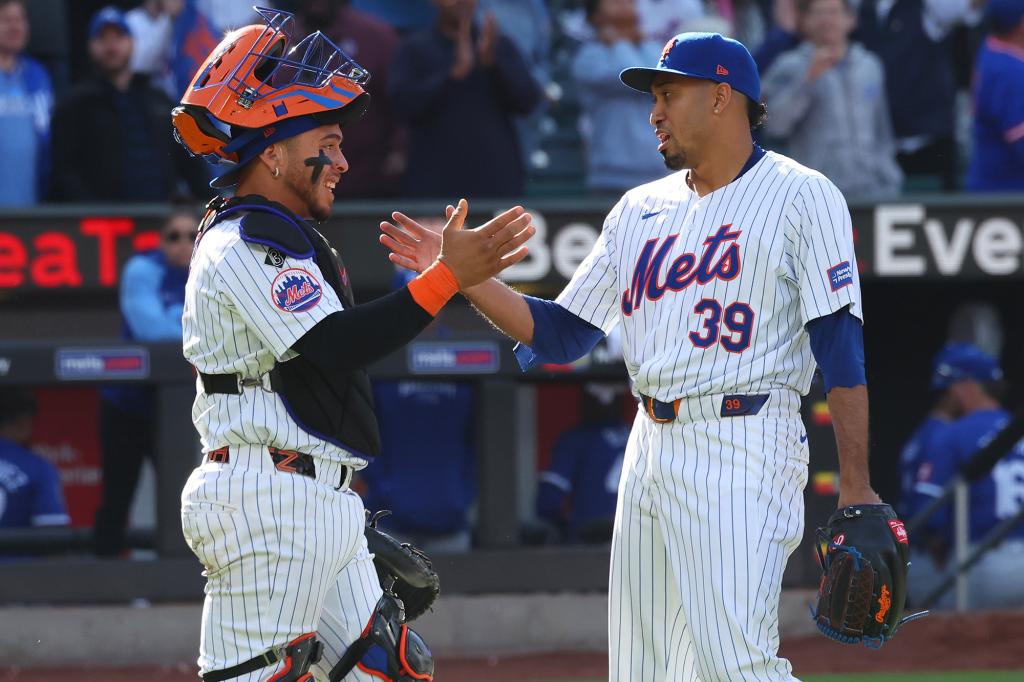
pixel 971 381
pixel 26 98
pixel 404 16
pixel 111 135
pixel 782 36
pixel 910 37
pixel 660 20
pixel 193 38
pixel 615 120
pixel 374 145
pixel 426 473
pixel 227 15
pixel 459 88
pixel 152 297
pixel 577 492
pixel 997 163
pixel 527 23
pixel 30 491
pixel 827 103
pixel 152 27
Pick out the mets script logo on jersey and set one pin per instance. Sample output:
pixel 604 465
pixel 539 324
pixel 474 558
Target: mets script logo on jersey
pixel 717 261
pixel 295 290
pixel 840 275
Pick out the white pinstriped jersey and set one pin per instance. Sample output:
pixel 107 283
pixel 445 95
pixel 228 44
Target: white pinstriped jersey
pixel 243 311
pixel 713 292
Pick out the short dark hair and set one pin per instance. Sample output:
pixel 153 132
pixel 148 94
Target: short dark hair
pixel 590 8
pixel 4 3
pixel 757 113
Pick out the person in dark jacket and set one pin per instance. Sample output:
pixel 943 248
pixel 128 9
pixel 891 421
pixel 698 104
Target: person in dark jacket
pixel 111 136
pixel 458 87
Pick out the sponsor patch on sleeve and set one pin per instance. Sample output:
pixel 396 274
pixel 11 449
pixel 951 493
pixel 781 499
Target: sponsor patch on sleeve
pixel 295 290
pixel 840 275
pixel 899 530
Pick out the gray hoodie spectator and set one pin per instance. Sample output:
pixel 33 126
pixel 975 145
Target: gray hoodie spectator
pixel 826 102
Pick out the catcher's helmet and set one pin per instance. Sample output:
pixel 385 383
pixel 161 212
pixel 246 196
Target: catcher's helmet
pixel 256 78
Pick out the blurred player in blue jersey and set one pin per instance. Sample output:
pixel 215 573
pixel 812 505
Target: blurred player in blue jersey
pixel 971 383
pixel 425 474
pixel 30 492
pixel 578 490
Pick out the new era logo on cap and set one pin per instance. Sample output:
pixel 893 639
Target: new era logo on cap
pixel 721 70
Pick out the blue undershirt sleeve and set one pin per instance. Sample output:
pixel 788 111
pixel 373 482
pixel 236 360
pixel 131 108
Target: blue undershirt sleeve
pixel 558 335
pixel 837 342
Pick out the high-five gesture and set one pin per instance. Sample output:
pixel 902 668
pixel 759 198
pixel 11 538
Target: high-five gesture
pixel 473 255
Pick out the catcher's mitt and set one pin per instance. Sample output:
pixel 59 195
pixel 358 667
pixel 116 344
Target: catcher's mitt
pixel 864 586
pixel 402 569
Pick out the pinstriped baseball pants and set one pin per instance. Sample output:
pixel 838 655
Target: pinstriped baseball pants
pixel 709 510
pixel 284 555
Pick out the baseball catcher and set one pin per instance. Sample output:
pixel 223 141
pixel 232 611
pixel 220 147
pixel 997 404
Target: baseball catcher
pixel 864 585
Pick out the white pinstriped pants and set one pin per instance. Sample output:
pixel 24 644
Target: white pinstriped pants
pixel 284 555
pixel 709 510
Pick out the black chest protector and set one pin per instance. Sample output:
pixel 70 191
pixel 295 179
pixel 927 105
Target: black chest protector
pixel 337 409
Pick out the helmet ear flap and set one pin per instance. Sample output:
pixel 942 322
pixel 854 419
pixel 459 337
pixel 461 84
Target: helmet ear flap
pixel 198 134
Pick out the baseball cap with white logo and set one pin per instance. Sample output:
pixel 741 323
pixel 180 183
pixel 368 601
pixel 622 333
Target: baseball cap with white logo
pixel 710 56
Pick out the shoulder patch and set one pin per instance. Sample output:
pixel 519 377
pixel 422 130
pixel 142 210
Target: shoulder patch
pixel 266 226
pixel 296 290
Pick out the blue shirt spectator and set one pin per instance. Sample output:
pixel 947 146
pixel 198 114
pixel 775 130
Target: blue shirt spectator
pixel 26 100
pixel 615 120
pixel 30 490
pixel 425 474
pixel 578 491
pixel 926 437
pixel 152 296
pixel 456 83
pixel 404 15
pixel 997 163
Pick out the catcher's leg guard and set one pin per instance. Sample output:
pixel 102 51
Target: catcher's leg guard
pixel 388 648
pixel 298 655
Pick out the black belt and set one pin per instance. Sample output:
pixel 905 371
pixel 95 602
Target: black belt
pixel 288 461
pixel 732 406
pixel 232 384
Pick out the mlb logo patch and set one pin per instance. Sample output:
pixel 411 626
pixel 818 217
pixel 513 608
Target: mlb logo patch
pixel 295 291
pixel 840 275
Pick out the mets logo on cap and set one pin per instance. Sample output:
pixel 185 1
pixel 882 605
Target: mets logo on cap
pixel 668 48
pixel 295 290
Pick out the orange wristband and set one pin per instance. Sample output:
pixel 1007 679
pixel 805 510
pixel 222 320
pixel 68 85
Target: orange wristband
pixel 434 287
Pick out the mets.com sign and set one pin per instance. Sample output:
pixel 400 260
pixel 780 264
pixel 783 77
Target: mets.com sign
pixel 66 250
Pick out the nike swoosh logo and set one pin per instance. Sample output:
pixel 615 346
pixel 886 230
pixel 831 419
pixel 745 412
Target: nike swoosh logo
pixel 803 438
pixel 645 216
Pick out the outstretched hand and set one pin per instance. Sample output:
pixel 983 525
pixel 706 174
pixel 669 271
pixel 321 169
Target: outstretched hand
pixel 473 255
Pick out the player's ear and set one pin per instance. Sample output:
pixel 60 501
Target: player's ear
pixel 722 97
pixel 275 156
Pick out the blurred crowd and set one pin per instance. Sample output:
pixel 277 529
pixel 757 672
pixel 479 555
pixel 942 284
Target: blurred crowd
pixel 505 98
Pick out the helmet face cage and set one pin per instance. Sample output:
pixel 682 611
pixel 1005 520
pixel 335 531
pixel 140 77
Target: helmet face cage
pixel 267 69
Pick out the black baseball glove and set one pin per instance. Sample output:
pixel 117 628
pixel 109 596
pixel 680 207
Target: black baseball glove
pixel 864 586
pixel 403 570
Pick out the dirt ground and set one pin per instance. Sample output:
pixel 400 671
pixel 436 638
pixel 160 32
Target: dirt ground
pixel 990 641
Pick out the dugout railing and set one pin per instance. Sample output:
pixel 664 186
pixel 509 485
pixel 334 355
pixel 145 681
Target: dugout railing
pixel 957 492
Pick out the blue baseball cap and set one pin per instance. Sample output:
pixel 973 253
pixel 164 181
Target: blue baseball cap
pixel 959 361
pixel 1004 14
pixel 108 16
pixel 710 56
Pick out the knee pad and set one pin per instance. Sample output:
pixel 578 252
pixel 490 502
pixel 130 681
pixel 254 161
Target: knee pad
pixel 298 655
pixel 388 648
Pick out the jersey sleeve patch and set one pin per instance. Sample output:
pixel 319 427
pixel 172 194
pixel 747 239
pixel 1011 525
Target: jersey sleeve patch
pixel 296 290
pixel 840 275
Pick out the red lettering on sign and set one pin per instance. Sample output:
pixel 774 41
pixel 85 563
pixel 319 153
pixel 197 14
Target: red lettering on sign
pixel 57 262
pixel 146 241
pixel 106 231
pixel 13 258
